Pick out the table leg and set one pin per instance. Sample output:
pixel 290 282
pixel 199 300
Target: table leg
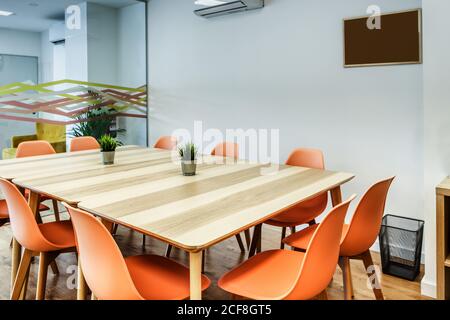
pixel 195 269
pixel 82 287
pixel 336 196
pixel 34 202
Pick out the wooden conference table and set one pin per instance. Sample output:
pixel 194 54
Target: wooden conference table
pixel 145 191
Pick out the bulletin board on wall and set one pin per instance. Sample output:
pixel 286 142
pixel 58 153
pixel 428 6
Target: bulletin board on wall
pixel 396 40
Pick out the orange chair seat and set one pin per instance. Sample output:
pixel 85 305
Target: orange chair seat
pixel 60 234
pixel 301 239
pixel 3 210
pixel 158 278
pixel 258 279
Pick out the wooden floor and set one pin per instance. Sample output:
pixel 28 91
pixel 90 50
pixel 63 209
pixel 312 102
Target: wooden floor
pixel 219 260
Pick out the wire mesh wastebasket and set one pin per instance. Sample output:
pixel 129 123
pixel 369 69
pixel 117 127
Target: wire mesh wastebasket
pixel 401 246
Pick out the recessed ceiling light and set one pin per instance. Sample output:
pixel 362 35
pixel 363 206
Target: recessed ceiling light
pixel 6 13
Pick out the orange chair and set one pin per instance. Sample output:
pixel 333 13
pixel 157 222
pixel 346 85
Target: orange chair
pixel 166 142
pixel 44 240
pixel 112 277
pixel 357 237
pixel 38 148
pixel 4 214
pixel 307 211
pixel 83 144
pixel 291 275
pixel 226 149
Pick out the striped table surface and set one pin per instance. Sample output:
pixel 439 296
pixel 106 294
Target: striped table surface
pixel 145 191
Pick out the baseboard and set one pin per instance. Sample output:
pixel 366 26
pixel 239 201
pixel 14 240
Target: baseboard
pixel 428 288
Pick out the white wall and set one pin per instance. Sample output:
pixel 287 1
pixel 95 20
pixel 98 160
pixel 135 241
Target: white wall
pixel 437 121
pixel 22 43
pixel 102 43
pixel 282 67
pixel 131 62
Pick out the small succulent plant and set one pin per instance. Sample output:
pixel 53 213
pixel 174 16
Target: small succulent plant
pixel 188 152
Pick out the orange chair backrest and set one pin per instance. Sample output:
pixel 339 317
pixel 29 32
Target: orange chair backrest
pixel 103 265
pixel 166 142
pixel 83 144
pixel 226 149
pixel 309 158
pixel 321 257
pixel 34 148
pixel 23 222
pixel 366 221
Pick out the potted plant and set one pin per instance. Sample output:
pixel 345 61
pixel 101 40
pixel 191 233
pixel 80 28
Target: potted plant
pixel 108 146
pixel 188 155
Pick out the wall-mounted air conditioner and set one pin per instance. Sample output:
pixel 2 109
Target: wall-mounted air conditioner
pixel 227 7
pixel 57 33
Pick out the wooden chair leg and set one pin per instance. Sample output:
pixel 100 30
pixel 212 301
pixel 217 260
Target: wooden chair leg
pixel 56 210
pixel 23 294
pixel 168 250
pixel 323 295
pixel 143 241
pixel 259 247
pixel 344 263
pixel 116 226
pixel 241 244
pixel 312 222
pixel 203 261
pixel 368 264
pixel 19 281
pixel 255 239
pixel 293 230
pixel 248 238
pixel 42 275
pixel 54 267
pixel 283 235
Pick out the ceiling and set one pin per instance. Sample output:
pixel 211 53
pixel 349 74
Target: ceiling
pixel 39 15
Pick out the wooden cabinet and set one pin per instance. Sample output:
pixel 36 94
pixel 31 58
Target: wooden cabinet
pixel 442 241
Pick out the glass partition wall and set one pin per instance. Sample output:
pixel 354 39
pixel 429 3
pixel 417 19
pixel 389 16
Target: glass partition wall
pixel 73 68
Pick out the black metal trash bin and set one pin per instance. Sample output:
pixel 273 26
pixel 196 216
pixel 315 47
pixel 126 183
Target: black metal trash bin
pixel 401 246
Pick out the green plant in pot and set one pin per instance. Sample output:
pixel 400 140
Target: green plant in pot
pixel 188 155
pixel 108 146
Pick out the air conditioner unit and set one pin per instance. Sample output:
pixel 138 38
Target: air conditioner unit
pixel 229 7
pixel 57 32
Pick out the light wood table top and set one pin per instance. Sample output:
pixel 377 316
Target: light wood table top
pixel 145 191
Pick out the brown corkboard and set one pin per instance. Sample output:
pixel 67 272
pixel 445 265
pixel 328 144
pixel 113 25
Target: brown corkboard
pixel 399 41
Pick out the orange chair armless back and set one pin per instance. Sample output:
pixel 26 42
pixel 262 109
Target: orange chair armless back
pixel 166 143
pixel 311 209
pixel 226 149
pixel 34 148
pixel 103 265
pixel 321 257
pixel 23 222
pixel 366 221
pixel 83 144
